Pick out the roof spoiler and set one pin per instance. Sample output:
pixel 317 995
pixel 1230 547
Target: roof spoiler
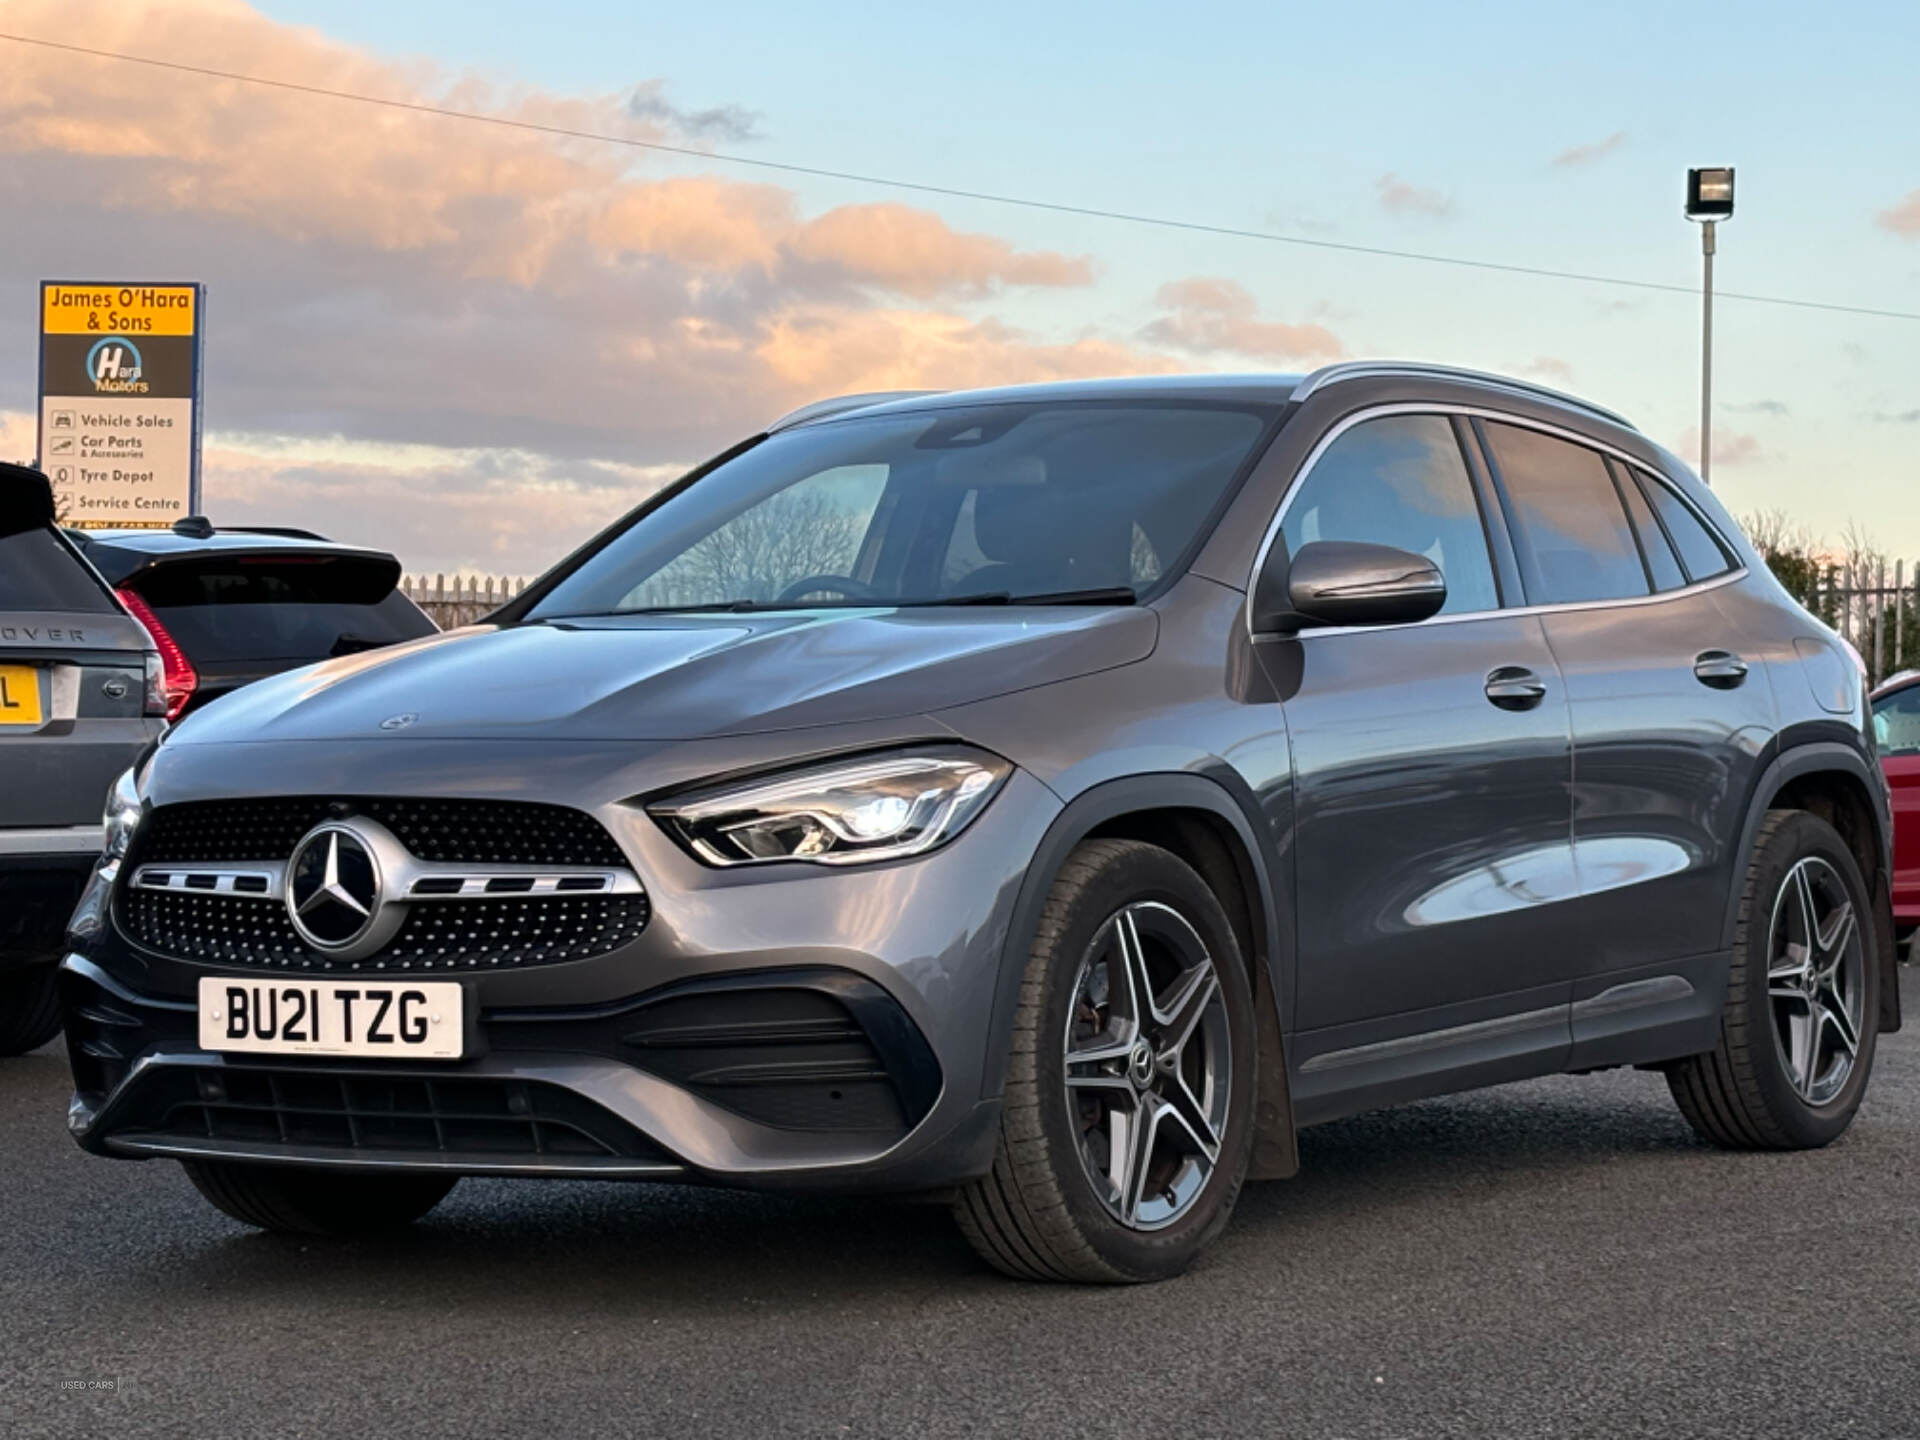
pixel 26 499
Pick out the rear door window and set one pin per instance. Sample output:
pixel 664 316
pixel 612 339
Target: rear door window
pixel 1400 481
pixel 1700 552
pixel 38 572
pixel 1570 531
pixel 279 608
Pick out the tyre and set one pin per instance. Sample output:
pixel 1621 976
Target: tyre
pixel 316 1202
pixel 29 1010
pixel 1803 999
pixel 1126 1124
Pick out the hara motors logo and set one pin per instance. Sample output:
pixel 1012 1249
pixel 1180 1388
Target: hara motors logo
pixel 113 364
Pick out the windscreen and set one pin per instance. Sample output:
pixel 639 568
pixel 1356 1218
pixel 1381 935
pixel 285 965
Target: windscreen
pixel 1009 502
pixel 275 608
pixel 38 572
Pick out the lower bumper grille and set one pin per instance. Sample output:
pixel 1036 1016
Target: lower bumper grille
pixel 821 1051
pixel 363 1116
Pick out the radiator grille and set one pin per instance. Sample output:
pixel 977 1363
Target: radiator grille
pixel 444 934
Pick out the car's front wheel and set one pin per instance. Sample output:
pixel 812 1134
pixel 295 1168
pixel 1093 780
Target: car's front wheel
pixel 316 1202
pixel 1126 1125
pixel 1803 998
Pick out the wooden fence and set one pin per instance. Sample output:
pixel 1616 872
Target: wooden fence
pixel 450 603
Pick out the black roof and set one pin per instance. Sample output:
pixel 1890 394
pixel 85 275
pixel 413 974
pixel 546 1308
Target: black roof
pixel 120 553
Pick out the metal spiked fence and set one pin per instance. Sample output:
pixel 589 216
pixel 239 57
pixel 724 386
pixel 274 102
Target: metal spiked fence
pixel 1876 607
pixel 463 599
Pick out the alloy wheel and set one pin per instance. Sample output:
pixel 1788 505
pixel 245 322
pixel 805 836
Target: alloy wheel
pixel 1148 1061
pixel 1816 980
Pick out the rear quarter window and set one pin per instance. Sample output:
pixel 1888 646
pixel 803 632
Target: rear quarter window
pixel 1700 551
pixel 39 572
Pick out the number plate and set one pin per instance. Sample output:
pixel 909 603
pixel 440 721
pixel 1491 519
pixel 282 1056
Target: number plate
pixel 332 1017
pixel 19 695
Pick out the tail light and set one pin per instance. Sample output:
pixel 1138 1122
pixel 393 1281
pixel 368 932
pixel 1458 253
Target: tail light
pixel 177 679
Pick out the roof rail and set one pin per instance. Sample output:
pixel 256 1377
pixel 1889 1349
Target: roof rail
pixel 841 404
pixel 1365 369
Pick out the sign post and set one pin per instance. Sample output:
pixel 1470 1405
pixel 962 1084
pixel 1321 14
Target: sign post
pixel 120 401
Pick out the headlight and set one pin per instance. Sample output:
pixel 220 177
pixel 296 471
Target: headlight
pixel 122 815
pixel 848 813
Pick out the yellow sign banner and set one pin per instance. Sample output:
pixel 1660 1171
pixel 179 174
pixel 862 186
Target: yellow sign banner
pixel 117 310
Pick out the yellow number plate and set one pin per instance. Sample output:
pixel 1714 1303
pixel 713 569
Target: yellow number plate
pixel 19 695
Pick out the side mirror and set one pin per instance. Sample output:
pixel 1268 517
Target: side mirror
pixel 1346 582
pixel 26 499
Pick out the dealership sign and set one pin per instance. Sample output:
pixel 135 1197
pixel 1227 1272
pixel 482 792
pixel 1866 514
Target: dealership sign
pixel 120 401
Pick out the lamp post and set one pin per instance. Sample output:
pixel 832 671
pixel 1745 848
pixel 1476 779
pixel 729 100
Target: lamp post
pixel 1709 199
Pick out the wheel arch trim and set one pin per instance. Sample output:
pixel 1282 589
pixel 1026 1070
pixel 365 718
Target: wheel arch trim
pixel 1275 1152
pixel 1797 762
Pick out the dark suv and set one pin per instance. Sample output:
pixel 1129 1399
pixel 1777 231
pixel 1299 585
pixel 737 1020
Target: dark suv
pixel 79 699
pixel 1052 798
pixel 230 606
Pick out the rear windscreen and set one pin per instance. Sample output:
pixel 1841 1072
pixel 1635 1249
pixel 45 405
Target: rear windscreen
pixel 280 608
pixel 38 572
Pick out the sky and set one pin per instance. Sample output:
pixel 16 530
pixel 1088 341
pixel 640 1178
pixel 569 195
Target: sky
pixel 475 345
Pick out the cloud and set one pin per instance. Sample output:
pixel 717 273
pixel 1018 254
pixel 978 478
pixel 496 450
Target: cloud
pixel 1729 447
pixel 733 124
pixel 405 279
pixel 491 511
pixel 1775 408
pixel 914 253
pixel 1897 417
pixel 1594 150
pixel 1903 218
pixel 1397 197
pixel 1211 315
pixel 1547 367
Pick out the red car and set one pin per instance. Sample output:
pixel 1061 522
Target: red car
pixel 1896 728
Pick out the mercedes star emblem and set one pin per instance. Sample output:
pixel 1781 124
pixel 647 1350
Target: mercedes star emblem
pixel 333 887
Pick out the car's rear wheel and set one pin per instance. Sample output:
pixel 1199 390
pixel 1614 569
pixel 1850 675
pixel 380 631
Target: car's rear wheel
pixel 1803 999
pixel 1126 1123
pixel 29 1010
pixel 316 1202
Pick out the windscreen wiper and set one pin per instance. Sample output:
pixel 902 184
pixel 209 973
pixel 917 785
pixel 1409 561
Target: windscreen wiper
pixel 1103 595
pixel 714 607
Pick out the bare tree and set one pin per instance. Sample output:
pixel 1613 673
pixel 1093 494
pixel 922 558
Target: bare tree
pixel 1774 532
pixel 760 552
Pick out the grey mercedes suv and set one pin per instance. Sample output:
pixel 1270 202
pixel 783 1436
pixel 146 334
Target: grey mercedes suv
pixel 1047 798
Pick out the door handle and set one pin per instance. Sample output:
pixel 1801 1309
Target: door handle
pixel 1514 687
pixel 1721 669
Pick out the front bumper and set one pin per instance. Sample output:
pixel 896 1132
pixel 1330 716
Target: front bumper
pixel 41 876
pixel 786 1027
